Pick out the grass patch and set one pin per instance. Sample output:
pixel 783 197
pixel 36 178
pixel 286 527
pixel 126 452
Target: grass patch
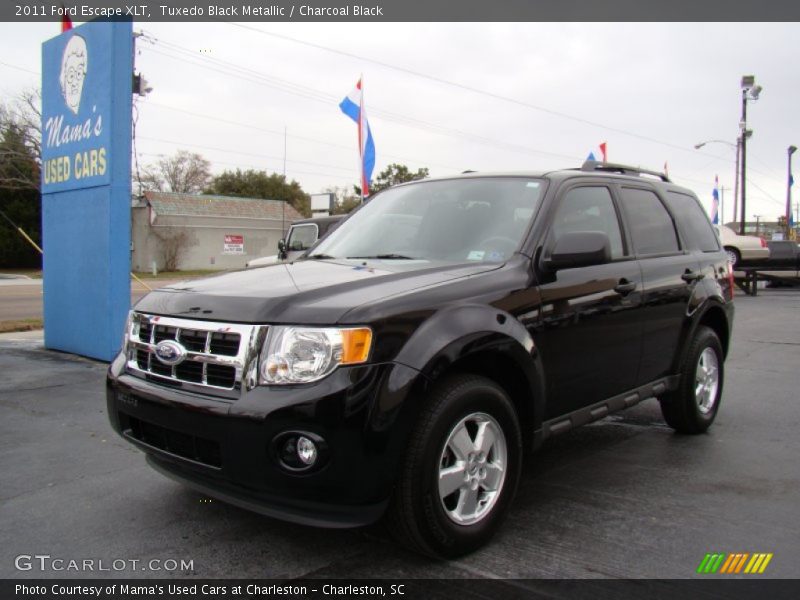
pixel 32 273
pixel 21 325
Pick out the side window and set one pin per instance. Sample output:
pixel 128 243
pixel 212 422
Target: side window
pixel 693 222
pixel 302 237
pixel 652 229
pixel 588 208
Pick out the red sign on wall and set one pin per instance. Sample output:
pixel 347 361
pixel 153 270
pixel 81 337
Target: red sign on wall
pixel 234 244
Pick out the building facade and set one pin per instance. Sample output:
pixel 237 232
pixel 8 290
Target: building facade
pixel 191 231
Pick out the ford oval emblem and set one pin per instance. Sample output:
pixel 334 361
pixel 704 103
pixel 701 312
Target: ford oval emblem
pixel 170 352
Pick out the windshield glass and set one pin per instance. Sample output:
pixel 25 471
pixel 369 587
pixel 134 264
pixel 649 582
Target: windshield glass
pixel 476 219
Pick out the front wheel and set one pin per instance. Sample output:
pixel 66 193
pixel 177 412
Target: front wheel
pixel 694 405
pixel 461 470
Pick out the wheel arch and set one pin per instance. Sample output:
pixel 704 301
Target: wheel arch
pixel 485 341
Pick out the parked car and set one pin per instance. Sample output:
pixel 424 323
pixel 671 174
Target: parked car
pixel 742 248
pixel 406 365
pixel 301 236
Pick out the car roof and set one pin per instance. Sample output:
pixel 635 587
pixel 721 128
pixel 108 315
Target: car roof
pixel 589 170
pixel 319 220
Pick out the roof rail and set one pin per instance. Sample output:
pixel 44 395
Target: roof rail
pixel 595 165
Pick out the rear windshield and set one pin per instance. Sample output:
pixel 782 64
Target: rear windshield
pixel 460 220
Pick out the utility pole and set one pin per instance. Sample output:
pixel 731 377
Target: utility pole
pixel 722 205
pixel 789 151
pixel 758 224
pixel 736 178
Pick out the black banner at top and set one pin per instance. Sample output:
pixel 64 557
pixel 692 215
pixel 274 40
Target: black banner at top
pixel 402 10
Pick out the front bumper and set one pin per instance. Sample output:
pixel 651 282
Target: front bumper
pixel 224 447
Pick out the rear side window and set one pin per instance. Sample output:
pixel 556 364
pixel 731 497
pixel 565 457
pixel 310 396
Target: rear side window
pixel 693 222
pixel 588 208
pixel 651 227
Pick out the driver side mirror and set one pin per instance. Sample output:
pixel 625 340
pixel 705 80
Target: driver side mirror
pixel 579 249
pixel 282 248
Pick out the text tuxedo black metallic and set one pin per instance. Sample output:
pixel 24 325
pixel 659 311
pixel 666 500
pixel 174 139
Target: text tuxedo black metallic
pixel 406 361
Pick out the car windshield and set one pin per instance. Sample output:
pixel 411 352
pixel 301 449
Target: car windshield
pixel 475 219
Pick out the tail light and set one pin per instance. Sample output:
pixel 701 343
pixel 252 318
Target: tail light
pixel 763 242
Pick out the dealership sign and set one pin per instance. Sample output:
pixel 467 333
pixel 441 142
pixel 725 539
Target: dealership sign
pixel 86 189
pixel 76 109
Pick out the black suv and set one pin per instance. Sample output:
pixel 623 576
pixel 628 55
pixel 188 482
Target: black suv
pixel 408 360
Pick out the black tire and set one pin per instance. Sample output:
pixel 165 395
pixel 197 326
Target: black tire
pixel 418 516
pixel 685 410
pixel 734 256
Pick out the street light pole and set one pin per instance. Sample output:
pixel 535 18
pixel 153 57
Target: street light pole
pixel 789 151
pixel 743 146
pixel 750 91
pixel 735 175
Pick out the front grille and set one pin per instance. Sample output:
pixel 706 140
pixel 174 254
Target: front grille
pixel 182 444
pixel 216 355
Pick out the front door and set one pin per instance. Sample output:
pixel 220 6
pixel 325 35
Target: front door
pixel 589 330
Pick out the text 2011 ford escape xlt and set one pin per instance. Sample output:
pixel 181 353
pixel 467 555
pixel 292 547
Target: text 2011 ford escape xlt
pixel 405 363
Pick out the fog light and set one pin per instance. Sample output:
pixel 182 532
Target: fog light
pixel 300 451
pixel 306 451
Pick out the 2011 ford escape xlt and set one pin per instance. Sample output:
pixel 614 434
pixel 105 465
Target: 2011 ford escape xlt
pixel 404 364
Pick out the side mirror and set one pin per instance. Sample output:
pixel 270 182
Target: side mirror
pixel 579 249
pixel 282 248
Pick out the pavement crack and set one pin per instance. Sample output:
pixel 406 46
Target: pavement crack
pixel 33 389
pixel 778 343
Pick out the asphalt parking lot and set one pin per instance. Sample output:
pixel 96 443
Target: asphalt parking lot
pixel 622 498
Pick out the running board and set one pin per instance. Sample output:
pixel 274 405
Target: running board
pixel 602 409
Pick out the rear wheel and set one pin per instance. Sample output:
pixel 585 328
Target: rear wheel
pixel 734 256
pixel 461 470
pixel 694 405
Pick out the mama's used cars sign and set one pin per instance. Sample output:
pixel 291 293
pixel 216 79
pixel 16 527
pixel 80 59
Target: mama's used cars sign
pixel 86 186
pixel 76 104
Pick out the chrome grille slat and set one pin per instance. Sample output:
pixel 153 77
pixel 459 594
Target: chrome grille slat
pixel 217 354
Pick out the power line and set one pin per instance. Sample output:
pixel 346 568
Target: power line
pixel 252 127
pixel 229 151
pixel 461 86
pixel 323 97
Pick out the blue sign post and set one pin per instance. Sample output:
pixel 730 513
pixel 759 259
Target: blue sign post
pixel 86 187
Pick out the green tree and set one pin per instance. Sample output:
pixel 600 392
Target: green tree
pixel 20 199
pixel 392 175
pixel 259 184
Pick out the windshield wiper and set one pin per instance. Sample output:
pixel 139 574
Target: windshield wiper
pixel 319 256
pixel 386 257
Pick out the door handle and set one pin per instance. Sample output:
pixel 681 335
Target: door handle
pixel 692 275
pixel 625 287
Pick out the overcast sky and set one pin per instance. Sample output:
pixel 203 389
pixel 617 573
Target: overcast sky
pixel 651 91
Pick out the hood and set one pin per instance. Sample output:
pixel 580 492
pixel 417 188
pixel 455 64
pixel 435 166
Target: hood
pixel 304 292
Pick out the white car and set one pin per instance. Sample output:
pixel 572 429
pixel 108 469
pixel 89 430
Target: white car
pixel 302 235
pixel 742 248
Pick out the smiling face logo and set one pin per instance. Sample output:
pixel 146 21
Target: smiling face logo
pixel 74 63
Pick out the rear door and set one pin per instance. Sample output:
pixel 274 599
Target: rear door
pixel 669 275
pixel 699 238
pixel 588 333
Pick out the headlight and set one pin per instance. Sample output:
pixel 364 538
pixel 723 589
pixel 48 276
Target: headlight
pixel 127 332
pixel 306 354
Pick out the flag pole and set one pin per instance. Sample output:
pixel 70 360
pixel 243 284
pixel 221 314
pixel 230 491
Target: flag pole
pixel 361 139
